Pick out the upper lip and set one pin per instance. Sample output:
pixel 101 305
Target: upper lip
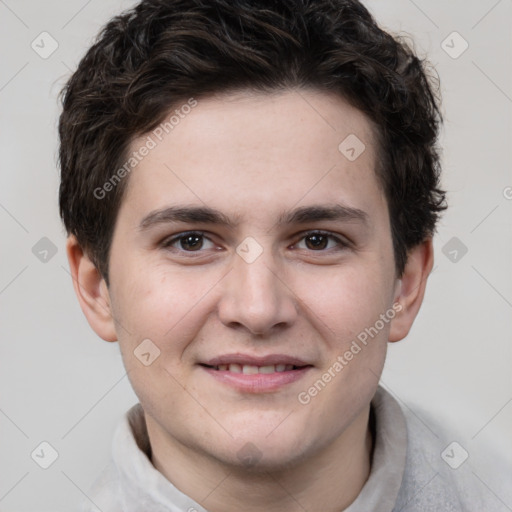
pixel 245 359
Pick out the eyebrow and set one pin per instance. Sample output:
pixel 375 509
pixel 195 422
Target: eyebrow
pixel 206 215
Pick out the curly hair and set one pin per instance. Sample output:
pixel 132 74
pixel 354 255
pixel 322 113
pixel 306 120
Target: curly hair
pixel 161 52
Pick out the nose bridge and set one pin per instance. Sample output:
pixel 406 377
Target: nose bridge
pixel 254 295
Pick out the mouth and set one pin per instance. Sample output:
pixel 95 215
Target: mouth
pixel 256 374
pixel 250 369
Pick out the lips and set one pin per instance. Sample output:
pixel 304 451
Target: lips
pixel 256 374
pixel 250 369
pixel 250 365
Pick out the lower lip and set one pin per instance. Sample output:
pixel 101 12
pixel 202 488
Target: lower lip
pixel 259 382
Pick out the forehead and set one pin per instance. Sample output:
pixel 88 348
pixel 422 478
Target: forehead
pixel 237 152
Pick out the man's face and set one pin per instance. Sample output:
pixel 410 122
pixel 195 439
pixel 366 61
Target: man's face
pixel 252 306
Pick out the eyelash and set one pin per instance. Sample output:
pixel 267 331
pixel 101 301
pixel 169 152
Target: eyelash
pixel 168 242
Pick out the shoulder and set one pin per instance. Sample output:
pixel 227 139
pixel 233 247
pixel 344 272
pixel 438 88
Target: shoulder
pixel 439 471
pixel 104 493
pixel 130 483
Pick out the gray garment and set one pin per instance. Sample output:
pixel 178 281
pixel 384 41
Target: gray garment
pixel 407 474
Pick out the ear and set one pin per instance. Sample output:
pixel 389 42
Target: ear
pixel 411 289
pixel 91 290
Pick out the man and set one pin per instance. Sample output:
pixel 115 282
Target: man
pixel 250 191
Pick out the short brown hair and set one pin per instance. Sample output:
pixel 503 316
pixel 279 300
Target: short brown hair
pixel 162 52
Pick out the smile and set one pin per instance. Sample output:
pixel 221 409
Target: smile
pixel 249 374
pixel 249 369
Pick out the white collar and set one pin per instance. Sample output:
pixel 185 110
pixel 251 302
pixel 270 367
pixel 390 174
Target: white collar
pixel 141 487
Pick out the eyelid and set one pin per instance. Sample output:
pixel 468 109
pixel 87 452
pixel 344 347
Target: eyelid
pixel 167 242
pixel 340 240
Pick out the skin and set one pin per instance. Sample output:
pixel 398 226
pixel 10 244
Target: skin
pixel 253 157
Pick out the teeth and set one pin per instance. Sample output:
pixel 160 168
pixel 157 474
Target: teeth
pixel 249 369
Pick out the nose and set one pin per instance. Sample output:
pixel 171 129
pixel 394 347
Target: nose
pixel 256 297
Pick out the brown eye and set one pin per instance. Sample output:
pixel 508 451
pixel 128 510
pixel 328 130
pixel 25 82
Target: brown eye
pixel 192 242
pixel 188 242
pixel 316 241
pixel 319 241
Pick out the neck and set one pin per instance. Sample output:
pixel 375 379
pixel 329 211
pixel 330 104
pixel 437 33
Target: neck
pixel 329 480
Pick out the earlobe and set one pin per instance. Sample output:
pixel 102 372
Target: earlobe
pixel 91 291
pixel 410 288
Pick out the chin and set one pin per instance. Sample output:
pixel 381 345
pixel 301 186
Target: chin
pixel 250 458
pixel 264 452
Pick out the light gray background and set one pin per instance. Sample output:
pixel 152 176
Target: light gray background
pixel 60 383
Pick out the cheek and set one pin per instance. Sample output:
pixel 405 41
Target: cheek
pixel 344 301
pixel 345 309
pixel 160 303
pixel 162 308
